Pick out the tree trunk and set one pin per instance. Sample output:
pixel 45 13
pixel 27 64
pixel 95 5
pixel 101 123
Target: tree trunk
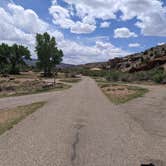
pixel 14 69
pixel 47 72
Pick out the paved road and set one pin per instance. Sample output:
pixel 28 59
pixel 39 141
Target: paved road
pixel 80 127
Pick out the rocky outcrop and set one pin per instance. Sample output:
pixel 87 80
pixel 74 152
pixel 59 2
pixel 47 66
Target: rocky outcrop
pixel 149 59
pixel 146 60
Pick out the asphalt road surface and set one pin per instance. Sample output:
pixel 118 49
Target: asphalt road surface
pixel 81 127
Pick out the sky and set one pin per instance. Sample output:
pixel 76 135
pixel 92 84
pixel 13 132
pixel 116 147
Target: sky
pixel 86 30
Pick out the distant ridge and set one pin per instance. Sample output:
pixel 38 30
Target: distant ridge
pixel 64 65
pixel 33 62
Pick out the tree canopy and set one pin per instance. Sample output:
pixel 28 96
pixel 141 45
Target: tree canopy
pixel 48 53
pixel 12 57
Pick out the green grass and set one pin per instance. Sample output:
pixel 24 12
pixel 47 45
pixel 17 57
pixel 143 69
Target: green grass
pixel 10 117
pixel 118 99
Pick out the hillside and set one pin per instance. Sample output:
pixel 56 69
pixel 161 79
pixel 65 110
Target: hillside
pixel 146 60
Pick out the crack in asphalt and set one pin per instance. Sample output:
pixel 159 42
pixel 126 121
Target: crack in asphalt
pixel 75 143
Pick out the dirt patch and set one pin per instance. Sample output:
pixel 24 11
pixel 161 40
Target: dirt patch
pixel 20 85
pixel 118 90
pixel 119 94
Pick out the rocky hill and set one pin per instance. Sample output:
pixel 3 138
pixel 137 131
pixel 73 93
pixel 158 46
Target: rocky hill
pixel 146 60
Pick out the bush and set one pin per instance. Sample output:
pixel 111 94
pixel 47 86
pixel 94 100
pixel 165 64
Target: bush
pixel 159 76
pixel 114 76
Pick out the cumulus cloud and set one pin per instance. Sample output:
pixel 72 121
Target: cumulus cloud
pixel 123 33
pixel 20 31
pixel 19 25
pixel 86 11
pixel 104 24
pixel 78 53
pixel 134 45
pixel 54 2
pixel 80 28
pixel 95 8
pixel 150 14
pixel 10 32
pixel 161 43
pixel 62 17
pixel 27 20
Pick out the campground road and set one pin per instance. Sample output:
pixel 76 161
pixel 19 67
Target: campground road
pixel 81 127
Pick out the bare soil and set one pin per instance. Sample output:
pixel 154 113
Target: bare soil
pixel 27 83
pixel 118 90
pixel 119 94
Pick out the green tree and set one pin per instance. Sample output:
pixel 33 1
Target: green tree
pixel 17 55
pixel 48 53
pixel 4 57
pixel 12 57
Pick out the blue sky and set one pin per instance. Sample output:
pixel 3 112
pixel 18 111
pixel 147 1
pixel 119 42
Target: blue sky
pixel 86 31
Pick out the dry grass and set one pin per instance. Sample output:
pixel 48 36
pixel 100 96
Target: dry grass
pixel 119 94
pixel 10 117
pixel 27 83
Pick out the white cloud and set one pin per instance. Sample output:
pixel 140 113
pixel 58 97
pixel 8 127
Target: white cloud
pixel 18 25
pixel 27 20
pixel 134 45
pixel 62 17
pixel 80 28
pixel 150 14
pixel 78 53
pixel 161 43
pixel 123 33
pixel 10 32
pixel 105 24
pixel 95 8
pixel 54 2
pixel 74 52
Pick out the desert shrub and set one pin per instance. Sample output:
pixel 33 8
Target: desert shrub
pixel 100 73
pixel 114 75
pixel 159 76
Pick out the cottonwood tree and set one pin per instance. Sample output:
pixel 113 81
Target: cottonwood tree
pixel 48 53
pixel 12 57
pixel 4 57
pixel 17 55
